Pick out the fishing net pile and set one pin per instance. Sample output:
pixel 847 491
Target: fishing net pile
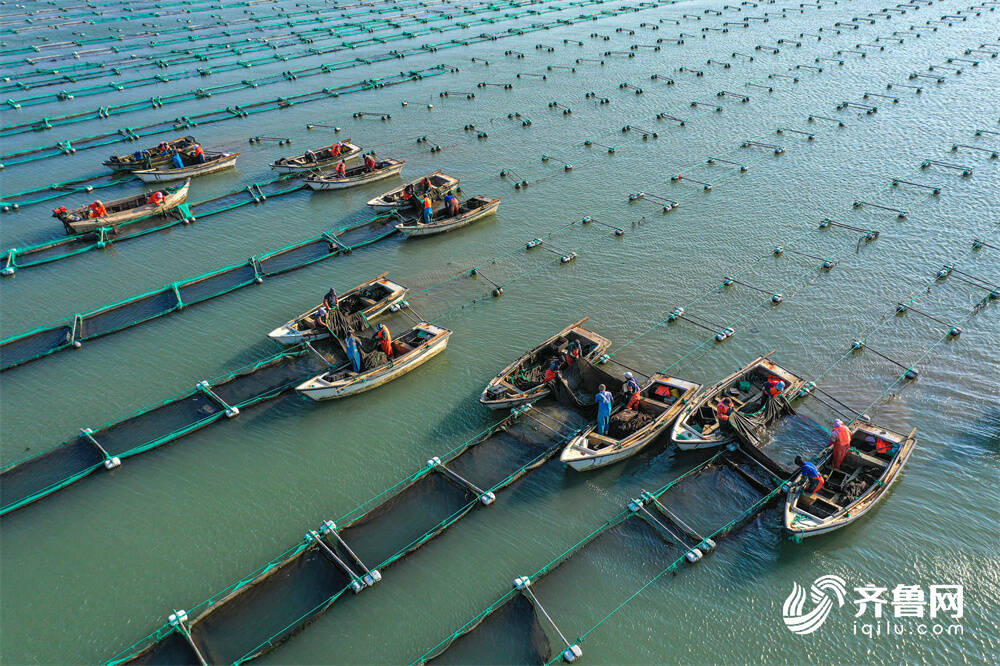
pixel 372 355
pixel 532 371
pixel 371 352
pixel 749 427
pixel 626 422
pixel 577 384
pixel 342 319
pixel 529 378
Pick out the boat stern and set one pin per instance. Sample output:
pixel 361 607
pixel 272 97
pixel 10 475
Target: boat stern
pixel 286 335
pixel 688 439
pixel 799 524
pixel 577 454
pixel 319 388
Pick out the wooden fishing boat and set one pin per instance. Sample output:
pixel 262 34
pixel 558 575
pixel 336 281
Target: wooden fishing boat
pixel 873 463
pixel 213 162
pixel 371 298
pixel 355 176
pixel 414 348
pixel 698 426
pixel 321 157
pixel 522 381
pixel 471 210
pixel 120 211
pixel 437 184
pixel 150 158
pixel 662 400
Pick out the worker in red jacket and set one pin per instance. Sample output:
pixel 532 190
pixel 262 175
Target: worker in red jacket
pixel 97 209
pixel 384 339
pixel 840 440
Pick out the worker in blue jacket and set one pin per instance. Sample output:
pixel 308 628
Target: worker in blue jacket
pixel 603 400
pixel 813 479
pixel 353 348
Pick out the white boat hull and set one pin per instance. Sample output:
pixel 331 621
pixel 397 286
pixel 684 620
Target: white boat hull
pixel 696 442
pixel 577 456
pixel 289 335
pixel 442 226
pixel 515 397
pixel 168 175
pixel 802 525
pixel 391 201
pixel 172 201
pixel 700 444
pixel 352 152
pixel 333 183
pixel 316 390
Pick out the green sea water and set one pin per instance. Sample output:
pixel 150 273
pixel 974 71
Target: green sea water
pixel 94 568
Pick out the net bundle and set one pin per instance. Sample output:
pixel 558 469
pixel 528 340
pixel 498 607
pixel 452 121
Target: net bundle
pixel 626 422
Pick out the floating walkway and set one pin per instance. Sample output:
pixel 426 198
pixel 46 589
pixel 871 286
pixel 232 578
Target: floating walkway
pixel 350 554
pixel 71 332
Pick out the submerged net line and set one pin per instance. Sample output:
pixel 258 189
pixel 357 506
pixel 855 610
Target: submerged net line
pixel 519 277
pixel 721 286
pixel 30 479
pixel 899 380
pixel 874 191
pixel 889 315
pixel 261 31
pixel 701 164
pixel 512 252
pixel 357 516
pixel 278 18
pixel 69 332
pixel 581 544
pixel 314 35
pixel 218 115
pixel 722 531
pixel 131 133
pixel 57 185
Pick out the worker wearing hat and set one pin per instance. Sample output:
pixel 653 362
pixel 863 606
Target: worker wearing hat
pixel 631 390
pixel 840 440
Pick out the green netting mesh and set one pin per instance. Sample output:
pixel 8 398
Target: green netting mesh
pixel 28 480
pixel 299 588
pixel 512 634
pixel 42 341
pixel 263 609
pixel 653 541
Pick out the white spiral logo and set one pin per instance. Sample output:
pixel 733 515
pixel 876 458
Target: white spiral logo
pixel 819 593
